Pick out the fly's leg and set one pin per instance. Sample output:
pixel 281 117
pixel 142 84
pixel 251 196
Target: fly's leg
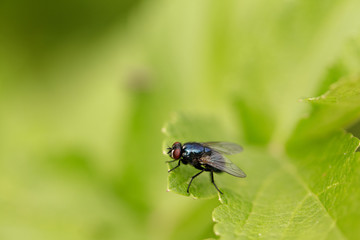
pixel 175 166
pixel 171 161
pixel 213 182
pixel 193 179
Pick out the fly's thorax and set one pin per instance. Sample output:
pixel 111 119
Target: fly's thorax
pixel 192 151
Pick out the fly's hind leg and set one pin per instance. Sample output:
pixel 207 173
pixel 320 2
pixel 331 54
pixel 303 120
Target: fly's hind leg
pixel 212 180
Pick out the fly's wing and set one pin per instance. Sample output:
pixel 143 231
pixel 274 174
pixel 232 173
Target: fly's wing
pixel 226 148
pixel 220 162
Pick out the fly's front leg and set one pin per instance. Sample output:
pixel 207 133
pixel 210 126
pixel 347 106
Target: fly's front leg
pixel 175 166
pixel 171 161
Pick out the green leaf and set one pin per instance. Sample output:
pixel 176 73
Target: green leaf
pixel 327 155
pixel 294 201
pixel 308 192
pixel 337 108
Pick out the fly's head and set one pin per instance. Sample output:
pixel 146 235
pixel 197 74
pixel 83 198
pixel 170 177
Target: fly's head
pixel 175 151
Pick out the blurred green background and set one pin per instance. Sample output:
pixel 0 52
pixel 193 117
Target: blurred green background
pixel 86 86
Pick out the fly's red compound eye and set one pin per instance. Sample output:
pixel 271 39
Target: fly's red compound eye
pixel 176 153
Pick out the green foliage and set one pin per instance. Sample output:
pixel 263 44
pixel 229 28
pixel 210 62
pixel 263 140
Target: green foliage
pixel 308 193
pixel 85 88
pixel 330 164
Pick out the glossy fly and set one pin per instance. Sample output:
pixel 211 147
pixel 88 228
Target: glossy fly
pixel 206 156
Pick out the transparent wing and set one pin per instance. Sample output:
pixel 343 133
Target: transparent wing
pixel 226 148
pixel 220 162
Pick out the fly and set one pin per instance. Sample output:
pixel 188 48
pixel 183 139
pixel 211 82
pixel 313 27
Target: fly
pixel 207 157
